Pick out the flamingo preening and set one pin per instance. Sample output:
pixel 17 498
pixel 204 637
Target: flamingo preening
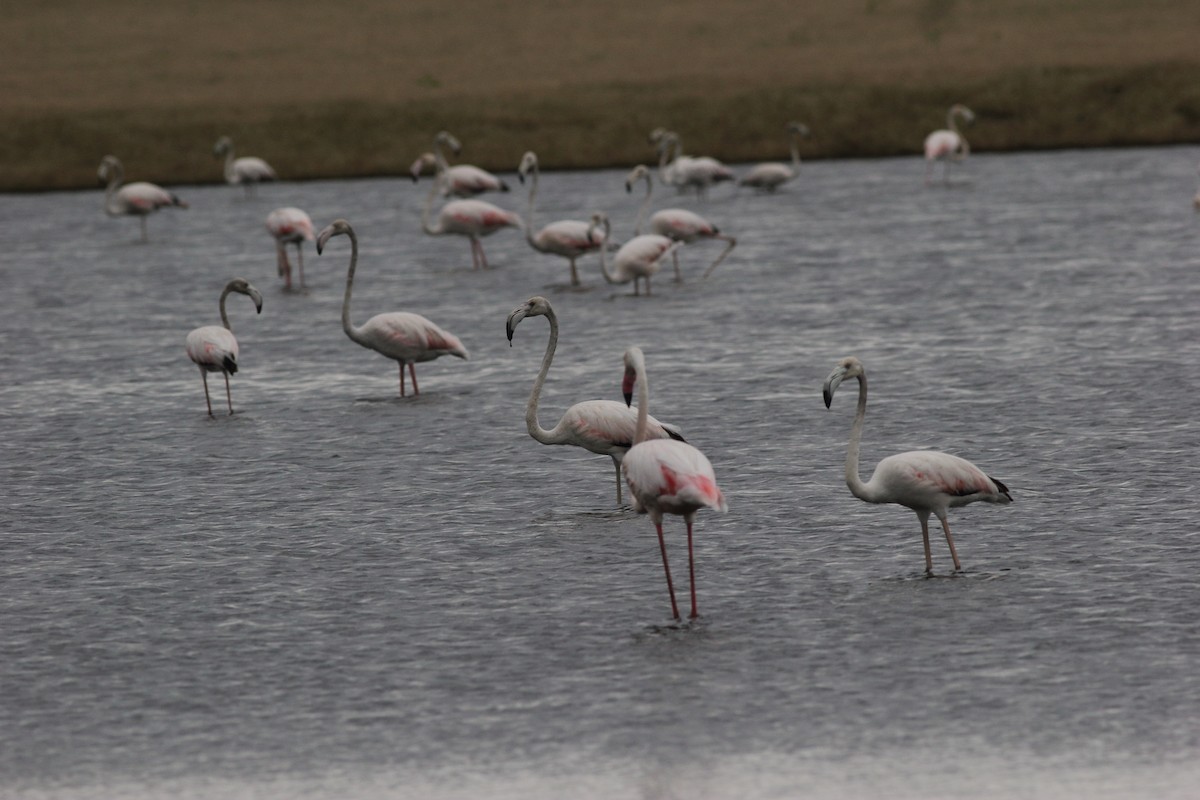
pixel 213 348
pixel 924 480
pixel 605 427
pixel 460 180
pixel 289 226
pixel 569 238
pixel 639 258
pixel 665 475
pixel 471 218
pixel 948 144
pixel 405 337
pixel 138 199
pixel 246 171
pixel 682 172
pixel 771 175
pixel 677 224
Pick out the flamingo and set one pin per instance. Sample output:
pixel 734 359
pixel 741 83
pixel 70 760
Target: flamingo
pixel 605 427
pixel 213 348
pixel 637 258
pixel 138 199
pixel 289 226
pixel 948 144
pixel 470 218
pixel 408 338
pixel 461 180
pixel 665 475
pixel 924 480
pixel 771 175
pixel 247 170
pixel 568 238
pixel 680 171
pixel 1196 199
pixel 678 224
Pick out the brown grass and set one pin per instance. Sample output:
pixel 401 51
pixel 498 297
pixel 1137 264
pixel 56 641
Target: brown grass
pixel 322 91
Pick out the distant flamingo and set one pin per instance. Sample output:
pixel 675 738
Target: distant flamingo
pixel 1196 199
pixel 246 171
pixel 665 475
pixel 924 480
pixel 637 259
pixel 568 238
pixel 289 226
pixel 677 224
pixel 460 180
pixel 470 218
pixel 682 172
pixel 771 175
pixel 406 338
pixel 213 348
pixel 605 427
pixel 138 199
pixel 948 144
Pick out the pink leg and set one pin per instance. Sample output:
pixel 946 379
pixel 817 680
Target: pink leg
pixel 925 537
pixel 207 401
pixel 574 274
pixel 950 541
pixel 228 394
pixel 401 363
pixel 482 255
pixel 662 545
pixel 675 261
pixel 285 269
pixel 412 371
pixel 692 572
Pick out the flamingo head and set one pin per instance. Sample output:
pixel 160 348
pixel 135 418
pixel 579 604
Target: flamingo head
pixel 958 109
pixel 599 220
pixel 529 162
pixel 446 138
pixel 222 146
pixel 338 226
pixel 635 362
pixel 243 286
pixel 424 162
pixel 799 128
pixel 849 367
pixel 636 174
pixel 657 135
pixel 110 165
pixel 536 306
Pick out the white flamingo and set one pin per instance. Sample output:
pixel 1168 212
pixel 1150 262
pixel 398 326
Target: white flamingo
pixel 289 226
pixel 213 348
pixel 948 144
pixel 924 480
pixel 138 199
pixel 246 171
pixel 666 476
pixel 638 259
pixel 460 180
pixel 1196 199
pixel 471 218
pixel 605 427
pixel 682 172
pixel 678 224
pixel 771 175
pixel 405 337
pixel 569 238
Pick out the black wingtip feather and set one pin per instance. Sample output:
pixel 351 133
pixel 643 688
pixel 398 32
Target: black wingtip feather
pixel 1000 486
pixel 230 365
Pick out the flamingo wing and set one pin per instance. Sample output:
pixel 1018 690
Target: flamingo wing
pixel 411 337
pixel 929 478
pixel 250 168
pixel 290 225
pixel 672 476
pixel 568 237
pixel 213 348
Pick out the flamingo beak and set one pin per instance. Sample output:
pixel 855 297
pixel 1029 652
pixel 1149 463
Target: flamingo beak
pixel 627 387
pixel 323 237
pixel 257 298
pixel 832 383
pixel 513 318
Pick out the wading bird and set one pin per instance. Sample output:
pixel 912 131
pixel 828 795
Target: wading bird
pixel 213 348
pixel 289 226
pixel 471 218
pixel 666 476
pixel 924 480
pixel 773 174
pixel 246 171
pixel 569 238
pixel 677 224
pixel 405 337
pixel 639 258
pixel 138 199
pixel 948 144
pixel 605 427
pixel 460 180
pixel 682 172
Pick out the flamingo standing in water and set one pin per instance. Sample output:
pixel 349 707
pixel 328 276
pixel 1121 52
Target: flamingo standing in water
pixel 1196 199
pixel 771 175
pixel 407 338
pixel 247 170
pixel 568 238
pixel 605 427
pixel 665 475
pixel 213 348
pixel 678 224
pixel 471 218
pixel 924 480
pixel 637 259
pixel 680 171
pixel 289 226
pixel 138 199
pixel 460 180
pixel 948 144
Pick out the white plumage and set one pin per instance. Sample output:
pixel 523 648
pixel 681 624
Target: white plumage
pixel 214 348
pixel 139 199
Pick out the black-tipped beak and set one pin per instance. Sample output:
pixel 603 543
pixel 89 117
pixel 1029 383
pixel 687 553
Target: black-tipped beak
pixel 628 187
pixel 628 399
pixel 510 327
pixel 831 384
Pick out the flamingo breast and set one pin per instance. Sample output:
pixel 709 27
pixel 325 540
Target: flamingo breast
pixel 638 256
pixel 942 144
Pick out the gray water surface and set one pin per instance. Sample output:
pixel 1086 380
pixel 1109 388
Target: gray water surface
pixel 340 593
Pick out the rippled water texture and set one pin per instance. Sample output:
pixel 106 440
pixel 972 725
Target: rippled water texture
pixel 339 593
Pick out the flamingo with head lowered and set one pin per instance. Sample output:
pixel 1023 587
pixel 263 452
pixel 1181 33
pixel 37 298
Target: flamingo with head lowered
pixel 677 224
pixel 460 180
pixel 926 481
pixel 569 238
pixel 771 175
pixel 246 171
pixel 289 226
pixel 605 427
pixel 405 337
pixel 138 199
pixel 638 259
pixel 213 348
pixel 471 218
pixel 948 144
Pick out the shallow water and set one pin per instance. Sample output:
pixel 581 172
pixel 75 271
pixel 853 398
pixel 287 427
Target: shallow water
pixel 340 593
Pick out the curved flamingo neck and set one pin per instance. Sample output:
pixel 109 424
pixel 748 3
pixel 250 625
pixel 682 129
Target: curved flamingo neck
pixel 608 277
pixel 796 151
pixel 115 173
pixel 531 408
pixel 669 144
pixel 859 489
pixel 224 316
pixel 439 158
pixel 529 226
pixel 229 172
pixel 425 225
pixel 641 214
pixel 354 333
pixel 643 413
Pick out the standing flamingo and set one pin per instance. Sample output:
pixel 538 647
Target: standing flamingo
pixel 637 259
pixel 407 338
pixel 923 480
pixel 948 144
pixel 460 180
pixel 568 238
pixel 665 475
pixel 289 226
pixel 678 224
pixel 605 427
pixel 682 172
pixel 1196 199
pixel 247 170
pixel 213 348
pixel 470 218
pixel 138 199
pixel 771 175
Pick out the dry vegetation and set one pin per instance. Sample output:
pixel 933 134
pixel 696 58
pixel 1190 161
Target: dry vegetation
pixel 324 89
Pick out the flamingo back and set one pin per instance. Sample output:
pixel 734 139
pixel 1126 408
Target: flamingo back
pixel 942 144
pixel 290 225
pixel 934 480
pixel 639 256
pixel 768 176
pixel 410 337
pixel 465 180
pixel 249 169
pixel 476 218
pixel 672 477
pixel 681 225
pixel 213 348
pixel 567 237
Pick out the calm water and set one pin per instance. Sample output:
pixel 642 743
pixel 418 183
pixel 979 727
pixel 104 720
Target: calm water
pixel 339 593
